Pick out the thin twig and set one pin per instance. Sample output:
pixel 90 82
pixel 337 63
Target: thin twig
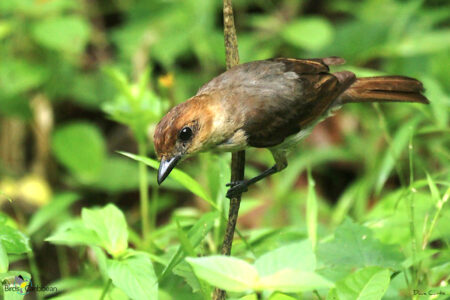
pixel 238 158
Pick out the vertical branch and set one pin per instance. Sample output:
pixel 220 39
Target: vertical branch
pixel 229 31
pixel 238 158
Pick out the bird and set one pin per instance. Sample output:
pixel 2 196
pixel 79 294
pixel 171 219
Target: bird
pixel 272 104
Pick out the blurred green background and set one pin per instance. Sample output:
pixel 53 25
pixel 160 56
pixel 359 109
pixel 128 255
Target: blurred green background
pixel 80 80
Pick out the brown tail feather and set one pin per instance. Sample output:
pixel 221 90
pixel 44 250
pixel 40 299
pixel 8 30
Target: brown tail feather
pixel 384 89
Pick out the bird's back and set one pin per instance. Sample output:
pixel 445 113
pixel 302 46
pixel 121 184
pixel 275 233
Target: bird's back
pixel 278 98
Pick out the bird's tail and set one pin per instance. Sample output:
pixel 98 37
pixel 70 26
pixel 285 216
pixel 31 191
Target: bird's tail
pixel 384 89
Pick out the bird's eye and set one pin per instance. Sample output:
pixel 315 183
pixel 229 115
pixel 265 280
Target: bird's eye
pixel 185 134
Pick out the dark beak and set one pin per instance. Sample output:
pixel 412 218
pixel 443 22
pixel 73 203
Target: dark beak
pixel 166 166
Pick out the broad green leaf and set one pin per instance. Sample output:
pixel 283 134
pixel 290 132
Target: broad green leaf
pixel 367 284
pixel 354 245
pixel 183 178
pixel 110 225
pixel 310 33
pixel 65 33
pixel 58 204
pixel 80 148
pixel 13 241
pixel 297 256
pixel 135 276
pixel 292 281
pixel 74 233
pixel 4 261
pixel 228 273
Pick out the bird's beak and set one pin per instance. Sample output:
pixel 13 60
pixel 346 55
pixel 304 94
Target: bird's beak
pixel 166 166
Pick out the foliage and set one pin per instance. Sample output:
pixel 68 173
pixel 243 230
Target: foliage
pixel 360 213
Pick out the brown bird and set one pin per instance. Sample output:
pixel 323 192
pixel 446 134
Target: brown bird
pixel 268 104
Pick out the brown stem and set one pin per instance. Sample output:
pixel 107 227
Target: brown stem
pixel 238 158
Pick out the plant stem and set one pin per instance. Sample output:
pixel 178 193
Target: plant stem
pixel 143 189
pixel 106 289
pixel 62 262
pixel 411 214
pixel 238 158
pixel 439 205
pixel 34 273
pixel 311 211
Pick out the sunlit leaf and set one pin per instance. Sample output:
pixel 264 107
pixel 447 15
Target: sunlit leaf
pixel 225 272
pixel 297 256
pixel 110 225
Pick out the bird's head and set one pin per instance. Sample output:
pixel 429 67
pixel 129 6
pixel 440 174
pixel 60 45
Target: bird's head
pixel 185 130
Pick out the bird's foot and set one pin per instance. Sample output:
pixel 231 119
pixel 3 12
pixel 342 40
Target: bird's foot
pixel 237 188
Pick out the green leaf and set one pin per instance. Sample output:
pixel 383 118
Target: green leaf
pixel 196 234
pixel 80 148
pixel 433 188
pixel 249 297
pixel 74 233
pixel 184 240
pixel 91 293
pixel 311 210
pixel 66 33
pixel 292 281
pixel 280 296
pixel 7 279
pixel 419 44
pixel 4 261
pixel 310 33
pixel 392 154
pixel 228 273
pixel 135 276
pixel 119 174
pixel 183 178
pixel 332 294
pixel 12 274
pixel 367 284
pixel 110 225
pixel 354 246
pixel 297 256
pixel 18 76
pixel 58 204
pixel 13 241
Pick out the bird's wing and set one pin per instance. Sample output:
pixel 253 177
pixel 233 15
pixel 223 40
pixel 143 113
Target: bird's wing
pixel 277 98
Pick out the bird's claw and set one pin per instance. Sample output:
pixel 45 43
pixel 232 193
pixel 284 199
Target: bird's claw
pixel 236 188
